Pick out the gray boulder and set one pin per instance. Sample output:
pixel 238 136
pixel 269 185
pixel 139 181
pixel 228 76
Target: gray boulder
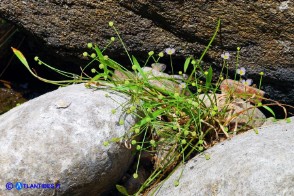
pixel 248 164
pixel 263 30
pixel 58 138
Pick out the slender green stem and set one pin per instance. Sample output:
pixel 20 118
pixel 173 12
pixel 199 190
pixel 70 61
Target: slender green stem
pixel 171 64
pixel 109 43
pixel 260 81
pixel 208 46
pixel 123 44
pixel 64 73
pixel 237 62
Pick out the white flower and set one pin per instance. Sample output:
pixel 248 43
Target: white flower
pixel 182 85
pixel 170 51
pixel 225 55
pixel 241 71
pixel 247 82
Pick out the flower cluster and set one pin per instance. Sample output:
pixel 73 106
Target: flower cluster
pixel 242 71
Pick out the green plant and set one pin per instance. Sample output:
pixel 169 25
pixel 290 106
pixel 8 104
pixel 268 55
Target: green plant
pixel 175 121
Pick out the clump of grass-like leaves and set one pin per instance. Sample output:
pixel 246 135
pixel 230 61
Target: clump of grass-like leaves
pixel 174 121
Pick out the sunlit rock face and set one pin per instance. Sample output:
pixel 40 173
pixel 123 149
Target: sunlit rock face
pixel 263 31
pixel 58 138
pixel 247 164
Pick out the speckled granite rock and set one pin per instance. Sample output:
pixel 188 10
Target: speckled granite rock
pixel 58 138
pixel 248 164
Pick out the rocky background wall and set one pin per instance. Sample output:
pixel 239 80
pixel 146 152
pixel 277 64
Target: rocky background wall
pixel 263 29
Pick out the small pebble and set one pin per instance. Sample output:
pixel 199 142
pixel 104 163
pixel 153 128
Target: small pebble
pixel 62 103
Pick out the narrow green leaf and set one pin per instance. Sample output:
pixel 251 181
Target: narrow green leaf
pixel 208 78
pixel 187 63
pixel 270 110
pixel 133 87
pixel 122 88
pixel 20 56
pixel 136 63
pixel 98 76
pixel 102 60
pixel 100 55
pixel 143 121
pixel 122 190
pixel 157 113
pixel 23 60
pixel 207 47
pixel 126 88
pixel 153 115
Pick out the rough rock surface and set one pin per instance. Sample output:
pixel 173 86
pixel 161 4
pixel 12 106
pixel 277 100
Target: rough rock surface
pixel 236 88
pixel 248 164
pixel 263 30
pixel 9 99
pixel 247 114
pixel 58 138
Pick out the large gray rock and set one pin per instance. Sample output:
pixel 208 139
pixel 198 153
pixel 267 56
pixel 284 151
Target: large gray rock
pixel 263 30
pixel 58 138
pixel 248 164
